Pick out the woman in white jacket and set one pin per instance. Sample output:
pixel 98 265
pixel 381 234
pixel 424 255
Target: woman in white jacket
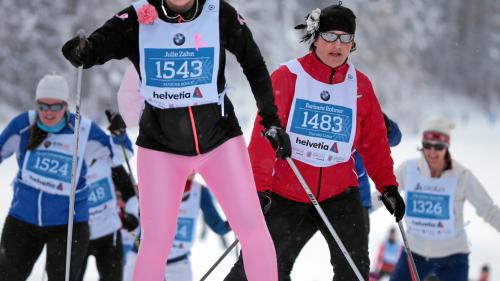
pixel 436 188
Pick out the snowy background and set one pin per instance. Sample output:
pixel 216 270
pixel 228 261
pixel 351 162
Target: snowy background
pixel 417 52
pixel 425 58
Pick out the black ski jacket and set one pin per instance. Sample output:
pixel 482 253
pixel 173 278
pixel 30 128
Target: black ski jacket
pixel 171 130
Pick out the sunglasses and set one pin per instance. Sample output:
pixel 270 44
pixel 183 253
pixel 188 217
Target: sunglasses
pixel 55 107
pixel 436 146
pixel 332 37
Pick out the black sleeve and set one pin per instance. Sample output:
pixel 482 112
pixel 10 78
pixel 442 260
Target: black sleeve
pixel 122 182
pixel 116 39
pixel 237 38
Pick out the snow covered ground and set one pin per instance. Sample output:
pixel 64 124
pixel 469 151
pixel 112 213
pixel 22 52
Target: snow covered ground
pixel 476 145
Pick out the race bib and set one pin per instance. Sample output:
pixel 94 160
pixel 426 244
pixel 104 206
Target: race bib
pixel 99 193
pixel 314 119
pixel 51 164
pixel 176 68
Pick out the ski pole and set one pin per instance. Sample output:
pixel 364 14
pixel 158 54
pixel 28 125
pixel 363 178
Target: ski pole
pixel 414 271
pixel 44 274
pixel 322 214
pixel 226 252
pixel 74 180
pixel 265 209
pixel 131 175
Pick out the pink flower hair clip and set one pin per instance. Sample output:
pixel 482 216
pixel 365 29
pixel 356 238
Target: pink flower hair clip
pixel 147 14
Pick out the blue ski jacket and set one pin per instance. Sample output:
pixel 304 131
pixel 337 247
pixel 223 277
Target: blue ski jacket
pixel 30 203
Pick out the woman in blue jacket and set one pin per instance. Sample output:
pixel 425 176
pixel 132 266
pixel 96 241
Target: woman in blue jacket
pixel 42 140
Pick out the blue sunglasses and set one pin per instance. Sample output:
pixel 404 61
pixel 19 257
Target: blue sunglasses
pixel 55 107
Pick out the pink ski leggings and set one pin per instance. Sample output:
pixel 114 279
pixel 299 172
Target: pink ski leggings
pixel 226 170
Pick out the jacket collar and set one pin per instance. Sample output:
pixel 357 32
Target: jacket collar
pixel 322 72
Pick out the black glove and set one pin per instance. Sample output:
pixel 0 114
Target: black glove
pixel 280 141
pixel 129 221
pixel 116 124
pixel 387 123
pixel 393 202
pixel 265 201
pixel 76 53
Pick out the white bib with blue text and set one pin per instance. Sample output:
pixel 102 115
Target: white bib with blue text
pixel 179 63
pixel 322 120
pixel 48 167
pixel 186 223
pixel 103 212
pixel 429 204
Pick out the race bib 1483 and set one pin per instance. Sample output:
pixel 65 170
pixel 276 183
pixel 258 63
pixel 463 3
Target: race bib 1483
pixel 322 120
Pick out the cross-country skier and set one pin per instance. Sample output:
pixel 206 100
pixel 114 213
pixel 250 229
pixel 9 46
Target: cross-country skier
pixel 104 221
pixel 387 255
pixel 331 111
pixel 436 188
pixel 188 123
pixel 42 140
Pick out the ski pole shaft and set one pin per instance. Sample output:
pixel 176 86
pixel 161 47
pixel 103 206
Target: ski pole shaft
pixel 131 174
pixel 413 266
pixel 74 164
pixel 323 216
pixel 226 252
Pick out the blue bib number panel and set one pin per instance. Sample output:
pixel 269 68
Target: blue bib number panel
pixel 177 68
pixel 99 193
pixel 185 228
pixel 320 120
pixel 50 164
pixel 428 206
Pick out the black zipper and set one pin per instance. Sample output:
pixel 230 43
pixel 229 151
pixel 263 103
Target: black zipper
pixel 332 75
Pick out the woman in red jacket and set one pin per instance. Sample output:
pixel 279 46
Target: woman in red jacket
pixel 331 111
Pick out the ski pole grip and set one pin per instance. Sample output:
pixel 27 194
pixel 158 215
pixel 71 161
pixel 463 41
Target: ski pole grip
pixel 81 37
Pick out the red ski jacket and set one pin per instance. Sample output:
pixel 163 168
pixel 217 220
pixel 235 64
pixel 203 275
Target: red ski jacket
pixel 370 140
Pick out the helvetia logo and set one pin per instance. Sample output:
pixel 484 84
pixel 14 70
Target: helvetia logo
pixel 318 145
pixel 177 96
pixel 197 93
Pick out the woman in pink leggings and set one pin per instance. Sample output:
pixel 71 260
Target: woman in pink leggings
pixel 187 124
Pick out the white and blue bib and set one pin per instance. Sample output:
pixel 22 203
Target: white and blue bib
pixel 48 167
pixel 429 204
pixel 186 223
pixel 103 212
pixel 179 63
pixel 322 120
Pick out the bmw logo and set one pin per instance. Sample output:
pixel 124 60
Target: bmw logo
pixel 179 39
pixel 325 95
pixel 211 7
